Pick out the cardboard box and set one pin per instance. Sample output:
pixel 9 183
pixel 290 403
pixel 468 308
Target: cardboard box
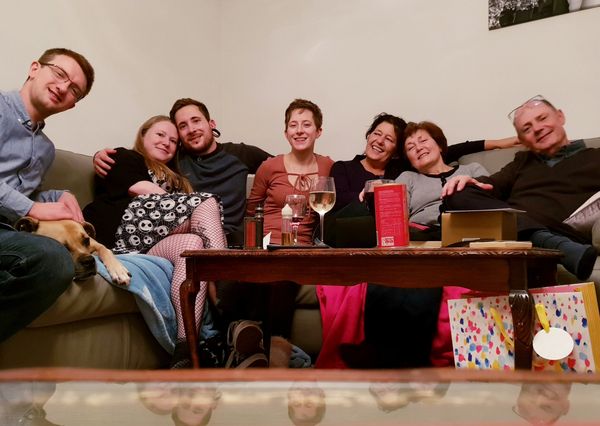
pixel 466 225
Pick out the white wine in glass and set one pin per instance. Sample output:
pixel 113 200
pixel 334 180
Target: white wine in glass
pixel 322 198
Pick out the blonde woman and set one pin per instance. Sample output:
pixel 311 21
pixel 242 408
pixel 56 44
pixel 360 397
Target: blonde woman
pixel 143 205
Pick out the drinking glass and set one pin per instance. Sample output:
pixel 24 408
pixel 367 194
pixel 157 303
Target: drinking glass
pixel 369 192
pixel 297 203
pixel 322 198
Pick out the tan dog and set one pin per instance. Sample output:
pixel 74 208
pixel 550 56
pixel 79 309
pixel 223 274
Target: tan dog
pixel 281 352
pixel 78 238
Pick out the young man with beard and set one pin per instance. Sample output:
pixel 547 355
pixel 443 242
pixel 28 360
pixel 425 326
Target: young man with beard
pixel 549 181
pixel 35 270
pixel 212 167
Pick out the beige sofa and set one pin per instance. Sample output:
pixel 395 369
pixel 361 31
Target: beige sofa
pixel 95 324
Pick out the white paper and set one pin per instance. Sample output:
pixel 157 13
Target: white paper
pixel 266 240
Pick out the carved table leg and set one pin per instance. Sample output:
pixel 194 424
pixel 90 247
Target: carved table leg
pixel 188 298
pixel 521 306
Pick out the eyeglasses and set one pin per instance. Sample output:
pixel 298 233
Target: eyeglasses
pixel 61 76
pixel 535 101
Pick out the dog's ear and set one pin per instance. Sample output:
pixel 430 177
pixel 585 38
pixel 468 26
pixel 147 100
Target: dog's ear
pixel 27 224
pixel 89 228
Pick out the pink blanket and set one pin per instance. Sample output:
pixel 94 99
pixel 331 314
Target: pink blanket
pixel 343 316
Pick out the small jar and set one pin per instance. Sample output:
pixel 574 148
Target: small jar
pixel 287 238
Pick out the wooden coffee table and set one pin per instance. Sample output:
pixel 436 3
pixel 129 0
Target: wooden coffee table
pixel 513 270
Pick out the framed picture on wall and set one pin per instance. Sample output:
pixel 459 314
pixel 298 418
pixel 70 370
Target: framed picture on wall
pixel 503 13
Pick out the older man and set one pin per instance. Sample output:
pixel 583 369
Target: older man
pixel 35 270
pixel 549 182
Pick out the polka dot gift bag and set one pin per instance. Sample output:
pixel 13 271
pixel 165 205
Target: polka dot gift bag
pixel 482 330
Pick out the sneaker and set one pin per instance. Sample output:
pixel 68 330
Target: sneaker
pixel 257 360
pixel 181 356
pixel 246 337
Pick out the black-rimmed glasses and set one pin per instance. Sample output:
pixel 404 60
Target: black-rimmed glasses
pixel 61 76
pixel 534 101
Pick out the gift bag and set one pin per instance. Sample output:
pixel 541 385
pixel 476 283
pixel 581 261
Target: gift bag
pixel 481 341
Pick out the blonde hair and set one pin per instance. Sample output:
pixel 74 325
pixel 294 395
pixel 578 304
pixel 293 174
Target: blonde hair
pixel 162 171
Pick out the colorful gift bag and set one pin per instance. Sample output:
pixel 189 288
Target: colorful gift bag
pixel 478 341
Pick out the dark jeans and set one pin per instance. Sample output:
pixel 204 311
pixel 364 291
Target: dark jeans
pixel 34 272
pixel 274 303
pixel 400 324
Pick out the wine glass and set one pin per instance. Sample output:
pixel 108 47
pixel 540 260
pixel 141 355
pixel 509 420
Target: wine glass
pixel 322 198
pixel 368 192
pixel 297 203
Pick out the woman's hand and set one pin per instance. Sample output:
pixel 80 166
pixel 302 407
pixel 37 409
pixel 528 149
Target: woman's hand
pixel 361 196
pixel 103 161
pixel 458 183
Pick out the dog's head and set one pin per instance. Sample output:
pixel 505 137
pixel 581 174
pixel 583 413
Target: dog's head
pixel 75 236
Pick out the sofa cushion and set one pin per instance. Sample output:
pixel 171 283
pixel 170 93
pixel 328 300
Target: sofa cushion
pixel 92 298
pixel 114 342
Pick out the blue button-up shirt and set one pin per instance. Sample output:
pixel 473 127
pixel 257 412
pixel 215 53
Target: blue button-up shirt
pixel 26 154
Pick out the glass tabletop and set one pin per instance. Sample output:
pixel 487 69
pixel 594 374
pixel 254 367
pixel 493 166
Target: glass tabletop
pixel 298 402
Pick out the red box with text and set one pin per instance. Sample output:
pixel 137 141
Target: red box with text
pixel 391 215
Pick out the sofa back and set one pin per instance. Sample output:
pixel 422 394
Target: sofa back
pixel 75 172
pixel 494 160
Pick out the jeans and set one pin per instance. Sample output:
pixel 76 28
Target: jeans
pixel 400 324
pixel 34 272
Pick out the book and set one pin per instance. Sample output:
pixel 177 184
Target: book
pixel 501 244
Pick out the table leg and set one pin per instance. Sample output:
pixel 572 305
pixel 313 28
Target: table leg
pixel 187 296
pixel 521 306
pixel 269 297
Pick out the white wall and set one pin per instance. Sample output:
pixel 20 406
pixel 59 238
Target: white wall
pixel 146 54
pixel 420 59
pixel 247 59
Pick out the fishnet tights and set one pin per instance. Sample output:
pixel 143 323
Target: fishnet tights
pixel 202 230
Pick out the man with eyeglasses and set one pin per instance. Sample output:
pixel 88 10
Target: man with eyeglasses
pixel 35 270
pixel 549 181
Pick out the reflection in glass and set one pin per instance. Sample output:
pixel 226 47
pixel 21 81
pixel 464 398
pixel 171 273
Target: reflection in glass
pixel 23 403
pixel 188 404
pixel 543 403
pixel 306 404
pixel 391 396
pixel 159 398
pixel 196 405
